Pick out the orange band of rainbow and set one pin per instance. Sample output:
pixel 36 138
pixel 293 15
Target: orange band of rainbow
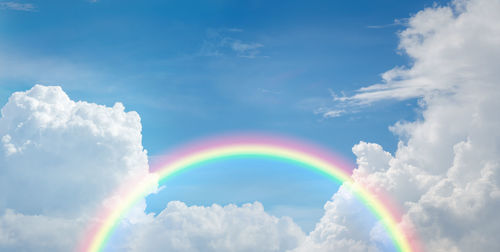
pixel 300 153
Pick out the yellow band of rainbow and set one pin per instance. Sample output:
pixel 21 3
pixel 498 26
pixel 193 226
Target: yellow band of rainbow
pixel 288 150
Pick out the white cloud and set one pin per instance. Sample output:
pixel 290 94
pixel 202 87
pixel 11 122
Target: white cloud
pixel 215 228
pixel 66 157
pixel 345 226
pixel 224 42
pixel 446 170
pixel 246 50
pixel 49 138
pixel 333 113
pixel 59 161
pixel 17 6
pixel 449 46
pixel 322 106
pixel 397 22
pixel 20 232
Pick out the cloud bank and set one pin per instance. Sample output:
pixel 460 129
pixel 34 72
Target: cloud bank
pixel 215 228
pixel 60 160
pixel 445 171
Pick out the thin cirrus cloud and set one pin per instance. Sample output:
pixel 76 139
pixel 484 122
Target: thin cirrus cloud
pixel 17 6
pixel 397 22
pixel 225 42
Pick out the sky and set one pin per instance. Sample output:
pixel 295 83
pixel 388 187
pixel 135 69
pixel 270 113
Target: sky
pixel 250 66
pixel 94 92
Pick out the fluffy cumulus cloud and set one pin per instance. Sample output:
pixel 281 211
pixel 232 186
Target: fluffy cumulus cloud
pixel 60 162
pixel 216 228
pixel 446 170
pixel 345 226
pixel 60 156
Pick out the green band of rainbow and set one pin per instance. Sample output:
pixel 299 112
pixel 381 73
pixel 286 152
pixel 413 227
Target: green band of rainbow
pixel 244 146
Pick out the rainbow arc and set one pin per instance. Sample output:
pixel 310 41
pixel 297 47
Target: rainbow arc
pixel 249 146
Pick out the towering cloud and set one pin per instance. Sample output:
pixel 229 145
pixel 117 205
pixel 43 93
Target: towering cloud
pixel 59 161
pixel 446 170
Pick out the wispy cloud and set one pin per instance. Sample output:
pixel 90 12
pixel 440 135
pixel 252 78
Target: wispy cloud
pixel 397 22
pixel 247 50
pixel 234 30
pixel 221 42
pixel 327 108
pixel 269 91
pixel 333 113
pixel 17 6
pixel 328 112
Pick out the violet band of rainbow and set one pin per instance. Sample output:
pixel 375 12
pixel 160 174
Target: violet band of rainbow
pixel 303 154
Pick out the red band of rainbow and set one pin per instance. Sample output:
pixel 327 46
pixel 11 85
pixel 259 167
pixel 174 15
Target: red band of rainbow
pixel 261 146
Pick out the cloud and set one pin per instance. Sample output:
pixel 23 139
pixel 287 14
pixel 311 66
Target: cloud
pixel 326 107
pixel 345 226
pixel 445 53
pixel 215 228
pixel 446 170
pixel 20 232
pixel 17 6
pixel 66 157
pixel 224 42
pixel 333 113
pixel 59 162
pixel 323 106
pixel 246 50
pixel 397 22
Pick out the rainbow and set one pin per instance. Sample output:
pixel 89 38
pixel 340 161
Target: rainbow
pixel 245 146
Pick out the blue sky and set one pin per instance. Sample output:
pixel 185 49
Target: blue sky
pixel 406 90
pixel 197 68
